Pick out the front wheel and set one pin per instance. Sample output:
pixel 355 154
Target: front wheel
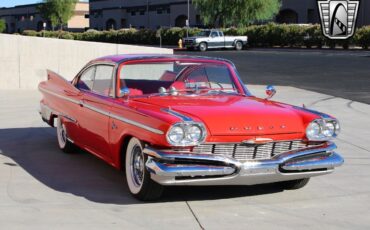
pixel 203 46
pixel 294 184
pixel 138 179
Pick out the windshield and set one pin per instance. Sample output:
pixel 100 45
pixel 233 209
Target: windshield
pixel 182 78
pixel 204 33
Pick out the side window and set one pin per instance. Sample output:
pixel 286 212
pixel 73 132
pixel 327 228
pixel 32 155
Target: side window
pixel 214 34
pixel 103 80
pixel 86 80
pixel 221 33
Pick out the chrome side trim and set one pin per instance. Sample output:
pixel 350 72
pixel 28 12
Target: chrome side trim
pixel 131 122
pixel 93 108
pixel 60 96
pixel 177 114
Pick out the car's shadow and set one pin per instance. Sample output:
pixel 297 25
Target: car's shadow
pixel 82 174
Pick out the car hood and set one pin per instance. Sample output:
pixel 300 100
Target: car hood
pixel 235 115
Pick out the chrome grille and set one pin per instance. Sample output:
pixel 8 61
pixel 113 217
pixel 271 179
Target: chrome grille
pixel 188 42
pixel 244 152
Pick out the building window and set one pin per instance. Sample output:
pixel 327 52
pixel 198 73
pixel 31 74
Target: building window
pixel 133 13
pixel 159 11
pixel 111 24
pixel 168 10
pixel 198 19
pixel 142 12
pixel 287 16
pixel 31 17
pixel 123 23
pixel 311 16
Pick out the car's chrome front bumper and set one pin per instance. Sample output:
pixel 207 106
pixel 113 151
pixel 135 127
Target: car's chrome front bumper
pixel 176 168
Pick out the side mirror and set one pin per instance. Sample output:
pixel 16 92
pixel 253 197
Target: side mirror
pixel 125 92
pixel 270 91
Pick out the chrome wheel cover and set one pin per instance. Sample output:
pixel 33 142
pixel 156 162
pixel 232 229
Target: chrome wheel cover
pixel 137 166
pixel 239 46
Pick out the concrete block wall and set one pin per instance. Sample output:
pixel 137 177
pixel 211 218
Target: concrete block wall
pixel 24 60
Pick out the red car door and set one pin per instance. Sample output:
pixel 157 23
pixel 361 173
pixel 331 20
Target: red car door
pixel 96 105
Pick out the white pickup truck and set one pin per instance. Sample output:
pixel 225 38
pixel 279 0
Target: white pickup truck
pixel 214 39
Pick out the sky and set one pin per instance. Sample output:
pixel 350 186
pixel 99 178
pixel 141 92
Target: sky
pixel 10 3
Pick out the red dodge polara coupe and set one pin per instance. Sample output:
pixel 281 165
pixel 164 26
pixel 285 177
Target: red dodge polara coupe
pixel 179 120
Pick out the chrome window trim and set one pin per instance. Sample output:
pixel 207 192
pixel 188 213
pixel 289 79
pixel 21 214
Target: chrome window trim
pixel 95 64
pixel 93 108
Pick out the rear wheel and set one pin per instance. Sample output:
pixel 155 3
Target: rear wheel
pixel 239 45
pixel 138 179
pixel 294 184
pixel 64 143
pixel 203 47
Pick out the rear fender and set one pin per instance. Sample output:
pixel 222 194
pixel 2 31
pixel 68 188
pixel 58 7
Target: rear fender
pixel 56 79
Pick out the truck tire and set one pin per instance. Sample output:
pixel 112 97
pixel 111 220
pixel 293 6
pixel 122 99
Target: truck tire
pixel 203 47
pixel 238 45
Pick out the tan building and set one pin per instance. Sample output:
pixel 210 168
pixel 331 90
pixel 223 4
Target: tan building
pixel 116 14
pixel 26 17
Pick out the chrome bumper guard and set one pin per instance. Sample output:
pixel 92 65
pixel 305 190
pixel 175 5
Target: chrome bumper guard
pixel 181 168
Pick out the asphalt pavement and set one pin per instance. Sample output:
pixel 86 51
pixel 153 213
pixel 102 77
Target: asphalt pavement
pixel 339 73
pixel 43 188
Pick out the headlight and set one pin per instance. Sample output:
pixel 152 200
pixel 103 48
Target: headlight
pixel 186 134
pixel 322 129
pixel 176 134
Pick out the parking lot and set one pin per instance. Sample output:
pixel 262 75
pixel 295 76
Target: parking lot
pixel 42 188
pixel 343 74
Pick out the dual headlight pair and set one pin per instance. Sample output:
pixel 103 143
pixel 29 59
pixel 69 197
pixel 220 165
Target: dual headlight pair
pixel 322 129
pixel 194 133
pixel 186 134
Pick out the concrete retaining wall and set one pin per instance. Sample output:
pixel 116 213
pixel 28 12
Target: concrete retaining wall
pixel 24 60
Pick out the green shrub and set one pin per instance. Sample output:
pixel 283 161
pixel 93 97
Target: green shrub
pixel 362 37
pixel 31 33
pixel 267 35
pixel 2 25
pixel 313 36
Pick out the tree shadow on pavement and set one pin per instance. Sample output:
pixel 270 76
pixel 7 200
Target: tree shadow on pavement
pixel 82 174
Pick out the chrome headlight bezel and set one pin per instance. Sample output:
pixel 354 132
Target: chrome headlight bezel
pixel 186 127
pixel 323 129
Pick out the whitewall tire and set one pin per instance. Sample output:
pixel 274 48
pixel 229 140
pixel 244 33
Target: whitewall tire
pixel 138 178
pixel 64 143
